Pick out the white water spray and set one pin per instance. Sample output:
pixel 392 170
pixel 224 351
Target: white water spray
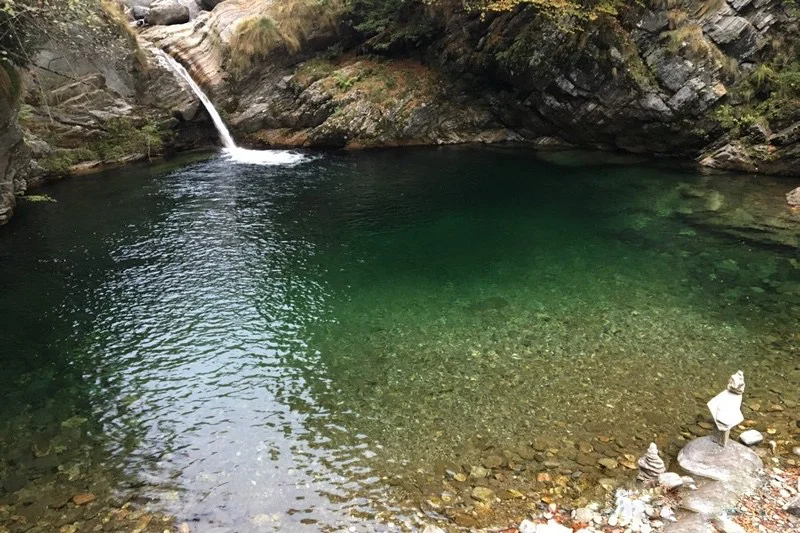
pixel 231 151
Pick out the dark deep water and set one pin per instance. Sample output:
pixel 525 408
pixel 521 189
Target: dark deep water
pixel 261 348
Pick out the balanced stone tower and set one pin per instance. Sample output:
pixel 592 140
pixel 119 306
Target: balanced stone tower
pixel 650 465
pixel 724 468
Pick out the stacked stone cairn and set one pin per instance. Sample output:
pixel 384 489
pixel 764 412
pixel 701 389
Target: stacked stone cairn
pixel 650 466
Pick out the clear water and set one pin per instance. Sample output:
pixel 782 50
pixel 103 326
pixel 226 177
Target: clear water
pixel 319 346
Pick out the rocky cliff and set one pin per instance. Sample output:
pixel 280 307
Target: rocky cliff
pixel 95 96
pixel 713 81
pixel 14 156
pixel 708 80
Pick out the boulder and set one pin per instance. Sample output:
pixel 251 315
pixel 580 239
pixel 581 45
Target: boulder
pixel 167 12
pixel 733 464
pixel 139 12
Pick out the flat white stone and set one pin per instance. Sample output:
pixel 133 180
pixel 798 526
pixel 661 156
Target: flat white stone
pixel 751 437
pixel 670 480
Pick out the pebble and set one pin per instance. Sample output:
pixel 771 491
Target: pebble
pixel 483 494
pixel 724 524
pixel 493 461
pixel 667 514
pixel 478 472
pixel 583 515
pixel 607 483
pixel 184 528
pixel 796 451
pixel 751 437
pixel 552 527
pixel 608 463
pixel 83 498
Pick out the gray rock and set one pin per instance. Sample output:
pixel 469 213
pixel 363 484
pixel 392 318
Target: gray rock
pixel 167 12
pixel 739 4
pixel 732 156
pixel 654 21
pixel 728 29
pixel 483 494
pixel 584 515
pixel 710 499
pixel 210 4
pixel 793 197
pixel 551 527
pixel 670 481
pixel 140 12
pixel 723 524
pixel 793 507
pixel 691 524
pixel 478 472
pixel 751 437
pixel 737 467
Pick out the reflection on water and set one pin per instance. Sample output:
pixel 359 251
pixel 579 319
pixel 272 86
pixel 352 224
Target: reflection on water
pixel 327 345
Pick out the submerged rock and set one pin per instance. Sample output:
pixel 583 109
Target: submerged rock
pixel 793 197
pixel 483 494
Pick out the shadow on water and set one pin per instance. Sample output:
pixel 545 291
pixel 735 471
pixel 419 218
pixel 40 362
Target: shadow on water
pixel 327 345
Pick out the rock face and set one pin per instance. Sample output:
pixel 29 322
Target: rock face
pixel 14 154
pixel 107 103
pixel 653 80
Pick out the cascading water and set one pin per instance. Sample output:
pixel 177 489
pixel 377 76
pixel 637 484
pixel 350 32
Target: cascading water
pixel 233 152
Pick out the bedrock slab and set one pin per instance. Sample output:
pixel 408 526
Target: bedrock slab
pixel 737 466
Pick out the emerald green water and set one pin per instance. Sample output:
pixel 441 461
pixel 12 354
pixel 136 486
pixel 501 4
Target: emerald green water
pixel 321 346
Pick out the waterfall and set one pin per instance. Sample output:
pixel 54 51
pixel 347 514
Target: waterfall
pixel 233 152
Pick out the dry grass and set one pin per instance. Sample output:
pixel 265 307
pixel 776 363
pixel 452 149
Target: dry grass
pixel 283 25
pixel 709 6
pixel 688 37
pixel 676 18
pixel 254 38
pixel 114 14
